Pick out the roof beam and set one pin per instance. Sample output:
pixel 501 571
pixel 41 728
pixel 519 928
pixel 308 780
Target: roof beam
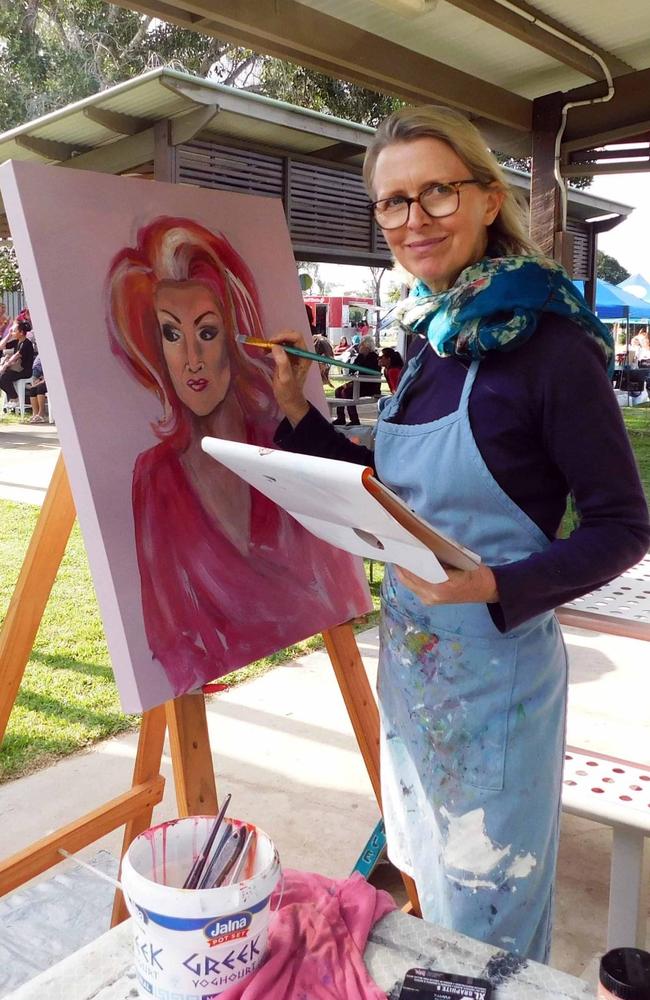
pixel 520 26
pixel 625 134
pixel 187 126
pixel 250 106
pixel 339 152
pixel 626 113
pixel 117 121
pixel 49 149
pixel 116 157
pixel 290 30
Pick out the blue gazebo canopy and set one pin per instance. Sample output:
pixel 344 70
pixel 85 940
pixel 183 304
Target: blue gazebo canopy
pixel 613 302
pixel 637 285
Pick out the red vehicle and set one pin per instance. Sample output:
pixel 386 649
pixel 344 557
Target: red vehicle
pixel 340 315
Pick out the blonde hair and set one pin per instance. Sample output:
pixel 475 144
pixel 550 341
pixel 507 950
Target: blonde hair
pixel 508 234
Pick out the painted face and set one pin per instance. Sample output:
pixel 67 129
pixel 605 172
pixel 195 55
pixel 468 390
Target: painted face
pixel 434 250
pixel 194 344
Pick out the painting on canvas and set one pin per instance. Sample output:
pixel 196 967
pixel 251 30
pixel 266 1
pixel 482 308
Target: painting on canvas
pixel 138 292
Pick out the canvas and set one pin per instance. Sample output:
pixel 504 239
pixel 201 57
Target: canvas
pixel 137 291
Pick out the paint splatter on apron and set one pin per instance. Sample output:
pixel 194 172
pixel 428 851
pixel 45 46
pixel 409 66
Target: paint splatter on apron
pixel 472 720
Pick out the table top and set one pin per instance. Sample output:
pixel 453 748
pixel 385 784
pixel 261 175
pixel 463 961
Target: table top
pixel 103 970
pixel 621 607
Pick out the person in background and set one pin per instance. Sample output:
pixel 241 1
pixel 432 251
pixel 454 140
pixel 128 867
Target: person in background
pixel 391 363
pixel 18 364
pixel 641 344
pixel 505 408
pixel 36 392
pixel 366 355
pixel 323 348
pixel 342 346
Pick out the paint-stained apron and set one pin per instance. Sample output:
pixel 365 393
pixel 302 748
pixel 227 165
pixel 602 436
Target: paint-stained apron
pixel 472 720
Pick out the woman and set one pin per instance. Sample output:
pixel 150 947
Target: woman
pixel 342 346
pixel 485 437
pixel 391 363
pixel 18 360
pixel 641 344
pixel 220 578
pixel 366 356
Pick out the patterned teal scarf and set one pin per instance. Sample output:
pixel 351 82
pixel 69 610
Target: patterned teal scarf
pixel 495 305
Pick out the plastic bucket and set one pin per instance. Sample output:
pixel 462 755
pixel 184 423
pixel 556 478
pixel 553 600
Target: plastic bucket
pixel 192 944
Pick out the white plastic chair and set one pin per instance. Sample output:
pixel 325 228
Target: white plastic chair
pixel 19 386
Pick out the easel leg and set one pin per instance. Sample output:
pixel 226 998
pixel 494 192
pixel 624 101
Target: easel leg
pixel 147 767
pixel 357 694
pixel 32 590
pixel 196 790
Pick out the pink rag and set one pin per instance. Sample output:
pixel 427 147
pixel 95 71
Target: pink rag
pixel 316 941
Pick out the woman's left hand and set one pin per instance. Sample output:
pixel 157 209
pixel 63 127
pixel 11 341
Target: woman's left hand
pixel 477 586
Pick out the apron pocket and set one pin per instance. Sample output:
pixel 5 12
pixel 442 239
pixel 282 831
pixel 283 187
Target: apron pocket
pixel 447 696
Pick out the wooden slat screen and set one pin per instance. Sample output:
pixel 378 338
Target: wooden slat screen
pixel 582 237
pixel 208 164
pixel 327 208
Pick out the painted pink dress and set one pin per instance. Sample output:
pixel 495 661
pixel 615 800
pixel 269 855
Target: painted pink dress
pixel 217 610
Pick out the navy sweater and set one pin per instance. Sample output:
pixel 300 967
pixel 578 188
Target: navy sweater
pixel 547 424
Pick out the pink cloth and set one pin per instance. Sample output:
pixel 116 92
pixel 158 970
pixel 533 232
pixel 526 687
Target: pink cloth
pixel 316 942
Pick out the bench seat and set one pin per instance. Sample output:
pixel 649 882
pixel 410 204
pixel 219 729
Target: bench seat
pixel 617 793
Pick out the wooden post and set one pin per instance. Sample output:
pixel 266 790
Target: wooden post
pixel 362 708
pixel 545 221
pixel 196 792
pixel 146 768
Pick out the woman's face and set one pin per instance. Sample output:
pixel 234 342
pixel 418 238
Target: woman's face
pixel 194 342
pixel 434 250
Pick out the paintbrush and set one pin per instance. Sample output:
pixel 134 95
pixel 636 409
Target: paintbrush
pixel 227 850
pixel 238 870
pixel 321 359
pixel 197 868
pixel 230 860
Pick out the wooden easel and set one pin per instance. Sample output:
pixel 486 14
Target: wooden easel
pixel 185 717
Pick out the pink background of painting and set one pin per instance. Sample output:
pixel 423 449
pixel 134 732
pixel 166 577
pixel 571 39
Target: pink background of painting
pixel 67 225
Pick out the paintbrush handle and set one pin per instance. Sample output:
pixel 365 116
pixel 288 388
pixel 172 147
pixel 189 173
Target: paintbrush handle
pixel 321 359
pixel 197 868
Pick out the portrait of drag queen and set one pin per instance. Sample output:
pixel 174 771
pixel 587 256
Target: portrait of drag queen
pixel 226 576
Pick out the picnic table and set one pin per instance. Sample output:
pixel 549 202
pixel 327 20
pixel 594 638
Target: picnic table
pixel 357 381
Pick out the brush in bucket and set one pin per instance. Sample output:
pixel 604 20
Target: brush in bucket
pixel 194 943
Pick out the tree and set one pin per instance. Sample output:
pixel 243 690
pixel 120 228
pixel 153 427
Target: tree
pixel 53 53
pixel 609 269
pixel 319 285
pixel 525 163
pixel 9 274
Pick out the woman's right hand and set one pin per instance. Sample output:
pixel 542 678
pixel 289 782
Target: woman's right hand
pixel 289 376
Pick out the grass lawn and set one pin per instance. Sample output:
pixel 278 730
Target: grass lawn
pixel 68 698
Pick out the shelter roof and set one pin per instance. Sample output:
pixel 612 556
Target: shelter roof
pixel 490 58
pixel 113 130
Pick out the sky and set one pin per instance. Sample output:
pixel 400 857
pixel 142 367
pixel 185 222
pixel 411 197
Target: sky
pixel 629 242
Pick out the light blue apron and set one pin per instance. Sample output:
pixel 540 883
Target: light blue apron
pixel 472 720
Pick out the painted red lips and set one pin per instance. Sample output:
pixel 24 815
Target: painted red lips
pixel 197 384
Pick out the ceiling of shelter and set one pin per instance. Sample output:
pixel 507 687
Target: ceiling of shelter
pixel 490 58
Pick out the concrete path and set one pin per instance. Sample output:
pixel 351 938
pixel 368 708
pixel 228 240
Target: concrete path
pixel 282 744
pixel 28 454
